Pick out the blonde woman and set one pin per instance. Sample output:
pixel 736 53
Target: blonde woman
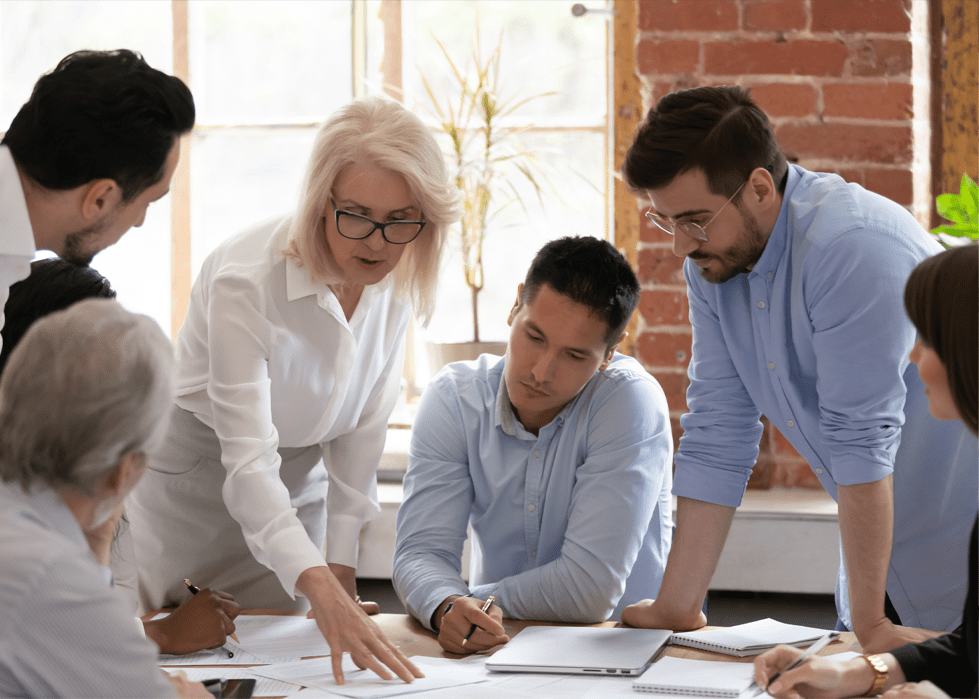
pixel 289 364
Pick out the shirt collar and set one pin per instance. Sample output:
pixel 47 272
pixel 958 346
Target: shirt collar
pixel 768 262
pixel 18 236
pixel 507 420
pixel 299 285
pixel 47 506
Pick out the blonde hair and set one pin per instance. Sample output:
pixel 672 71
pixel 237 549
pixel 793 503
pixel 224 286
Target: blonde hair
pixel 382 133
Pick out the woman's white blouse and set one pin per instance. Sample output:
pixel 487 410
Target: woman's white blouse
pixel 267 359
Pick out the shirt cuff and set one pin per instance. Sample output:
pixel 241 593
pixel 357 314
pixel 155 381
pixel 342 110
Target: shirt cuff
pixel 290 553
pixel 719 486
pixel 343 539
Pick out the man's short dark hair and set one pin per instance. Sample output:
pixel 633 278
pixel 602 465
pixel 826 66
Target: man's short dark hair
pixel 100 114
pixel 719 130
pixel 53 285
pixel 591 272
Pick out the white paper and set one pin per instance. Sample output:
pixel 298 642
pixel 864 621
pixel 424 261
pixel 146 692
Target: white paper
pixel 215 656
pixel 281 638
pixel 362 684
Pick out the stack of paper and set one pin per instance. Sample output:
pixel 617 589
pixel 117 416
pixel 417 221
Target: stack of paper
pixel 749 639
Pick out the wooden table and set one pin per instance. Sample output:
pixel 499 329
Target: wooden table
pixel 414 639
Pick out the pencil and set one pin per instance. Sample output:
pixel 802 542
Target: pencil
pixel 472 629
pixel 194 590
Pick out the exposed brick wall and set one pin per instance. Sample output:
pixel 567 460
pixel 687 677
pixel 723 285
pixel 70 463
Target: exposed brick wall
pixel 834 76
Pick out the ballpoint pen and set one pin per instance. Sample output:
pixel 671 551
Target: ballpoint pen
pixel 472 629
pixel 808 653
pixel 194 590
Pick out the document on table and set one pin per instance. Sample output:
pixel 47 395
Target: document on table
pixel 281 638
pixel 264 686
pixel 317 674
pixel 215 656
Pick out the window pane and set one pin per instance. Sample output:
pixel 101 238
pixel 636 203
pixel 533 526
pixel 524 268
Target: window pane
pixel 269 62
pixel 36 34
pixel 240 177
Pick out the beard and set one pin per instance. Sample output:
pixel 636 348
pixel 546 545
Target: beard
pixel 740 257
pixel 75 243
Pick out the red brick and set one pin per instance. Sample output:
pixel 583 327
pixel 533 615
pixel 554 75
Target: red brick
pixel 661 266
pixel 847 142
pixel 674 385
pixel 782 446
pixel 794 473
pixel 650 232
pixel 868 101
pixel 777 15
pixel 762 475
pixel 665 349
pixel 802 57
pixel 895 184
pixel 854 175
pixel 785 99
pixel 677 433
pixel 668 56
pixel 879 57
pixel 660 88
pixel 688 15
pixel 664 307
pixel 861 15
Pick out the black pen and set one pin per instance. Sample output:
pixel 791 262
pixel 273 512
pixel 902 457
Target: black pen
pixel 472 629
pixel 194 590
pixel 810 652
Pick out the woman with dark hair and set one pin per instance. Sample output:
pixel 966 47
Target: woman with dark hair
pixel 942 299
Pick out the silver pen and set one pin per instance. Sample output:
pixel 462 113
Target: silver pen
pixel 808 653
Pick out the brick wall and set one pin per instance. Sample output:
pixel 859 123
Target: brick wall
pixel 834 76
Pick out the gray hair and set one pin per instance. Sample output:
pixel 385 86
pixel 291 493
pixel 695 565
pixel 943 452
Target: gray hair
pixel 379 132
pixel 85 388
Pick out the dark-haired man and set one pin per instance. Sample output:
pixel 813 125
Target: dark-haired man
pixel 795 281
pixel 557 455
pixel 94 146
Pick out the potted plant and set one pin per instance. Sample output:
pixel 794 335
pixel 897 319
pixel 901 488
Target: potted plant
pixel 961 209
pixel 487 161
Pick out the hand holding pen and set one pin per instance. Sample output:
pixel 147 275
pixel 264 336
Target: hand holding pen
pixel 470 625
pixel 799 660
pixel 222 600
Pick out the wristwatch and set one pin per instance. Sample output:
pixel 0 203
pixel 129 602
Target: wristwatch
pixel 880 675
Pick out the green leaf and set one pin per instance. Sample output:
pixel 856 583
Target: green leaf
pixel 949 206
pixel 969 197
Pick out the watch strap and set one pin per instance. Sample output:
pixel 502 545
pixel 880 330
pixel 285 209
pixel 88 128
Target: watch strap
pixel 879 667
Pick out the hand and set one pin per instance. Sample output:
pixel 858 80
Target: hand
pixel 203 621
pixel 465 612
pixel 817 677
pixel 185 688
pixel 915 690
pixel 646 614
pixel 886 635
pixel 347 628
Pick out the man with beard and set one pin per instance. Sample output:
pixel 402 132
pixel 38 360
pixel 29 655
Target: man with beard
pixel 95 145
pixel 795 283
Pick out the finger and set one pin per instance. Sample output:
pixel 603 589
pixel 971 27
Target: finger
pixel 385 652
pixel 337 662
pixel 483 621
pixel 370 608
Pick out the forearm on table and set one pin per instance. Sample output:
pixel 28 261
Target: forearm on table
pixel 866 512
pixel 701 531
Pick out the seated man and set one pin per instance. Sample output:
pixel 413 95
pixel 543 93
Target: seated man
pixel 83 399
pixel 557 454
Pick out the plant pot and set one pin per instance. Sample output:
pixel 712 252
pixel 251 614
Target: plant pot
pixel 442 353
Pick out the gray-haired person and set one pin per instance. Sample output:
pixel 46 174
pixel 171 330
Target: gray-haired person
pixel 85 397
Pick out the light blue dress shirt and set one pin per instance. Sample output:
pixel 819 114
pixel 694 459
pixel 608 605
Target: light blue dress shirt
pixel 570 525
pixel 63 631
pixel 815 337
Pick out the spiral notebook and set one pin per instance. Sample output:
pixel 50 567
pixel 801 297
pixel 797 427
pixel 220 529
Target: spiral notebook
pixel 702 678
pixel 749 639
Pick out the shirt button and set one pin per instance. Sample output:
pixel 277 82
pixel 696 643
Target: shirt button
pixel 761 304
pixel 537 452
pixel 771 365
pixel 531 507
pixel 769 275
pixel 791 423
pixel 819 470
pixel 534 553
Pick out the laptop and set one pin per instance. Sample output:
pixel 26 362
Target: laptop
pixel 580 650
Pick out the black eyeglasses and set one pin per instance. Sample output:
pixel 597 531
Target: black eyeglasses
pixel 357 227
